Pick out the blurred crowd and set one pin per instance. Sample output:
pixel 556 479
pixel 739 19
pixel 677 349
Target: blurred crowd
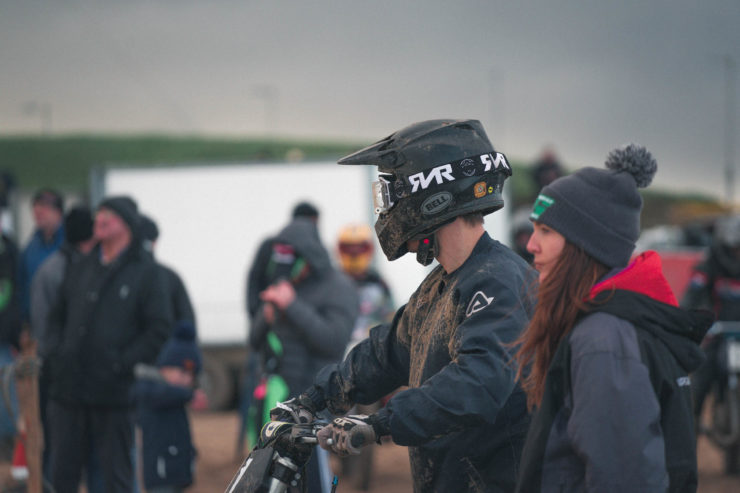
pixel 116 333
pixel 117 337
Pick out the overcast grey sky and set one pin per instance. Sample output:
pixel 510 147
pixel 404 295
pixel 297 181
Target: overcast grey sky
pixel 582 76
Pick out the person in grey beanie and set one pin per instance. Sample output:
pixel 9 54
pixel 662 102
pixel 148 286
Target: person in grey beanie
pixel 606 357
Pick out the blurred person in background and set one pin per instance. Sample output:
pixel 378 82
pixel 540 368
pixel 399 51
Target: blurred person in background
pixel 111 313
pixel 355 251
pixel 463 417
pixel 546 169
pixel 47 238
pixel 715 285
pixel 306 318
pixel 257 278
pixel 521 230
pixel 182 308
pixel 79 241
pixel 10 329
pixel 162 393
pixel 606 358
pixel 257 281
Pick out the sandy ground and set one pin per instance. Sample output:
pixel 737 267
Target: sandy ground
pixel 215 437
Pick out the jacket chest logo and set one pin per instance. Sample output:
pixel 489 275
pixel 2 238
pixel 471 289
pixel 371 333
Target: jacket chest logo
pixel 479 302
pixel 123 292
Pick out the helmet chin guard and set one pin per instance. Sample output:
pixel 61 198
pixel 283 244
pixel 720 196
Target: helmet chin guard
pixel 431 172
pixel 426 251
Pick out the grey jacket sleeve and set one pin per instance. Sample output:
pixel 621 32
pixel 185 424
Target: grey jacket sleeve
pixel 326 328
pixel 614 425
pixel 44 292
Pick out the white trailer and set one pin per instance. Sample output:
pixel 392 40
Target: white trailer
pixel 212 218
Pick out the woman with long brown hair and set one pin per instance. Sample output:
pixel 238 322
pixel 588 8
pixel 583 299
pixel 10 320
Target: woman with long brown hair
pixel 606 356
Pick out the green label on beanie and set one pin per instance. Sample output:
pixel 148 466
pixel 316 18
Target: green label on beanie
pixel 540 206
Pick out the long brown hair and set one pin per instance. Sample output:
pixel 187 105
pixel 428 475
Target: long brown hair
pixel 560 297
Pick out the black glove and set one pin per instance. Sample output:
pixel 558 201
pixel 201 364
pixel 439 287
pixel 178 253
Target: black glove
pixel 347 435
pixel 297 410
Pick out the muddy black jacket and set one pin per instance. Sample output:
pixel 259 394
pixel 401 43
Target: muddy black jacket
pixel 616 413
pixel 463 417
pixel 106 319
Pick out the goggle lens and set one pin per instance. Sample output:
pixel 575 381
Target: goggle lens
pixel 381 196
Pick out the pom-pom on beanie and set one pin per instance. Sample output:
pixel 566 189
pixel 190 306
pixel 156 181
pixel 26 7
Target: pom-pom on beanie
pixel 599 209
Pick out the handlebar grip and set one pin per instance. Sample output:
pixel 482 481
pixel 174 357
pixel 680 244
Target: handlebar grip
pixel 362 436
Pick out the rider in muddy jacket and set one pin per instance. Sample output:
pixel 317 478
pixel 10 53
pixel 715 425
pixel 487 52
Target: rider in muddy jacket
pixel 315 327
pixel 463 417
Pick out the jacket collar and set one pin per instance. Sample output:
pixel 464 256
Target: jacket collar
pixel 644 276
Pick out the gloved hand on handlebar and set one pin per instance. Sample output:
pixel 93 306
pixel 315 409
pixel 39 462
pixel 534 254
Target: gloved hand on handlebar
pixel 297 410
pixel 347 435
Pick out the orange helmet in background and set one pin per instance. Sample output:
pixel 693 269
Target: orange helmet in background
pixel 355 248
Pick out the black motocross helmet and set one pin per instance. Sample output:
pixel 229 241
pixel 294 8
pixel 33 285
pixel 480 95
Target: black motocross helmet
pixel 431 172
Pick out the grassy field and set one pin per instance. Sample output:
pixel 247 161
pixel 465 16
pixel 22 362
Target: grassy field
pixel 65 162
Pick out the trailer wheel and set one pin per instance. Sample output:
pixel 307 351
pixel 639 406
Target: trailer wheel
pixel 217 384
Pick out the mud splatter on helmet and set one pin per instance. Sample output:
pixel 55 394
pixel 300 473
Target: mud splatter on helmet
pixel 431 172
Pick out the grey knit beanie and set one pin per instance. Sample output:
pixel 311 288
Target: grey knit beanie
pixel 599 209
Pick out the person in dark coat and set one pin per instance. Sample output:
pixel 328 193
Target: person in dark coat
pixel 162 393
pixel 606 358
pixel 111 313
pixel 79 241
pixel 463 417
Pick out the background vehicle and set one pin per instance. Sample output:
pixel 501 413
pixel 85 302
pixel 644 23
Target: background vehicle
pixel 212 219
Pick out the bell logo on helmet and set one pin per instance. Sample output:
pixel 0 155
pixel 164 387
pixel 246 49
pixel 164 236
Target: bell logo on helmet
pixel 440 174
pixel 436 203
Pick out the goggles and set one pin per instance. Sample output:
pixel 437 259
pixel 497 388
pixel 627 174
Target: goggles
pixel 390 188
pixel 355 248
pixel 382 195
